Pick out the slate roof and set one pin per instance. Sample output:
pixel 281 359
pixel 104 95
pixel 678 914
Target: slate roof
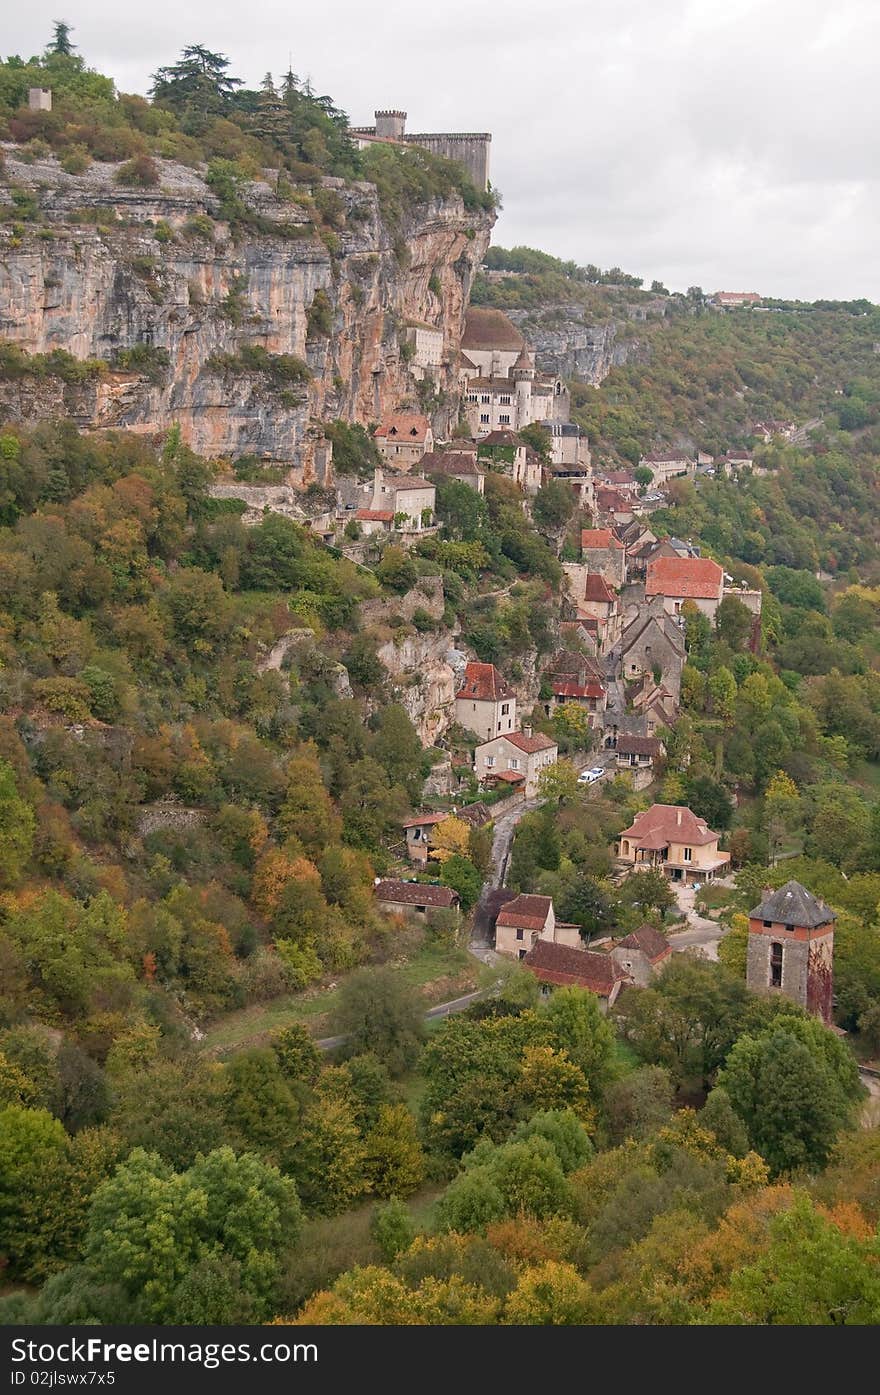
pixel 649 940
pixel 553 963
pixel 638 745
pixel 792 904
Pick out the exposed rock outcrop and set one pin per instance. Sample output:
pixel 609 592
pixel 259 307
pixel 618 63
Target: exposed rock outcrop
pixel 565 345
pixel 92 278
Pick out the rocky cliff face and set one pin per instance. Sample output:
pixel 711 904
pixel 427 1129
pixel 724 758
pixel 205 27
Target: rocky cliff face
pixel 90 276
pixel 565 345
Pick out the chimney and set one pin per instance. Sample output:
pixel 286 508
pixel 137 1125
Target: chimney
pixel 527 729
pixel 678 818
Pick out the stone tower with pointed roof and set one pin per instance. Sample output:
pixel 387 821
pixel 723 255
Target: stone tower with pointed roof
pixel 791 948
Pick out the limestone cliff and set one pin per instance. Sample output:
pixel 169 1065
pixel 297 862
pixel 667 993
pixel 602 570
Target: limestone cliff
pixel 87 273
pixel 564 344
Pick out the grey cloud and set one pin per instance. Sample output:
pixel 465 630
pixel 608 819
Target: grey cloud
pixel 724 144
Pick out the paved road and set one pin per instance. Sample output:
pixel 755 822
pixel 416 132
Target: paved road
pixel 440 1010
pixel 701 933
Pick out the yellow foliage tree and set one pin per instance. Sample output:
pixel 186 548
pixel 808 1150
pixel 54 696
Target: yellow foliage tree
pixel 450 837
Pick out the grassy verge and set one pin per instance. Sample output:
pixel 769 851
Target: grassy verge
pixel 438 969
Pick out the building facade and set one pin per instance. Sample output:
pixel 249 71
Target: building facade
pixel 485 704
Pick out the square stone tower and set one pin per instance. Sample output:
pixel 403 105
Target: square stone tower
pixel 791 948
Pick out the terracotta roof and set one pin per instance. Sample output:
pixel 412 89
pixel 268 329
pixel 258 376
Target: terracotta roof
pixel 415 894
pixel 596 588
pixel 619 477
pixel 404 426
pixel 530 744
pixel 792 904
pixel 526 912
pixel 510 777
pixel 611 499
pixel 695 577
pixel 483 683
pixel 567 688
pixel 649 941
pixel 486 328
pixel 424 820
pixel 374 515
pixel 669 823
pixel 599 538
pixel 638 745
pixel 553 963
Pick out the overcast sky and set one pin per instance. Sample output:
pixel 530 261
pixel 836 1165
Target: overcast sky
pixel 730 144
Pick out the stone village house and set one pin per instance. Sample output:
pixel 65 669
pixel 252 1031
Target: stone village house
pixel 485 704
pixel 515 760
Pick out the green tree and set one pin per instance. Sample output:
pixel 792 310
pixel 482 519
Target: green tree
pixel 377 1012
pixel 17 827
pixel 149 1227
pixel 198 83
pixel 791 1101
pixel 461 875
pixel 61 40
pixel 393 1161
pixel 392 1228
pixel 578 1026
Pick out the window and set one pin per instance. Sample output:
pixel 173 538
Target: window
pixel 485 397
pixel 523 953
pixel 519 934
pixel 505 708
pixel 421 909
pixel 687 854
pixel 514 765
pixel 490 761
pixel 484 418
pixel 767 924
pixel 505 399
pixel 776 964
pixel 504 418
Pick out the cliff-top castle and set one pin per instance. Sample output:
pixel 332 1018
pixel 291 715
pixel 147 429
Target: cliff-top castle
pixel 468 149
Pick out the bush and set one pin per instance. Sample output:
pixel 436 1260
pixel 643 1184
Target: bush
pixel 140 173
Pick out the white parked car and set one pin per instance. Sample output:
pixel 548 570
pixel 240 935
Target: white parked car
pixel 589 777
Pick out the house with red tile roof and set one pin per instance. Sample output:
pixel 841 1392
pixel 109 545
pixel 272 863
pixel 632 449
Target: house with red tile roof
pixel 576 678
pixel 524 920
pixel 604 553
pixel 638 753
pixel 485 703
pixel 592 599
pixel 561 966
pixel 515 760
pixel 681 579
pixel 672 838
pixel 403 438
pixel 642 955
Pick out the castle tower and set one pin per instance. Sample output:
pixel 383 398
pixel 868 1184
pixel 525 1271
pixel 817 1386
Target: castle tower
pixel 791 948
pixel 390 125
pixel 523 374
